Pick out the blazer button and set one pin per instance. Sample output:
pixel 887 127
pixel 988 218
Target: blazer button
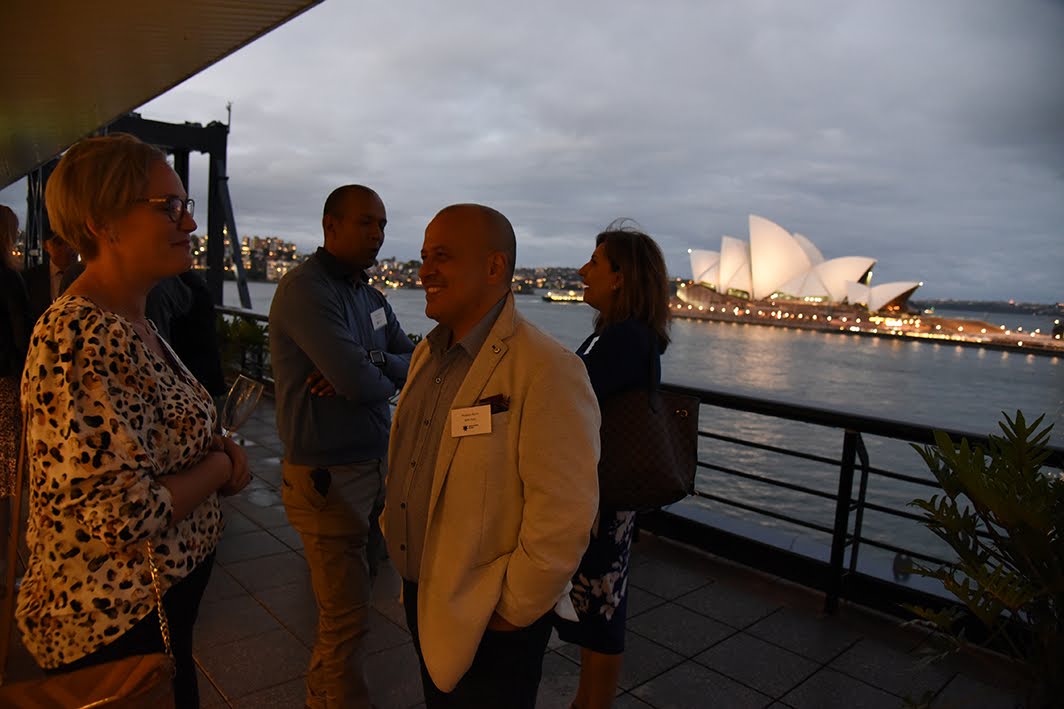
pixel 402 547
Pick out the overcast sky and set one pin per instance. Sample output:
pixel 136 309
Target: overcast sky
pixel 927 135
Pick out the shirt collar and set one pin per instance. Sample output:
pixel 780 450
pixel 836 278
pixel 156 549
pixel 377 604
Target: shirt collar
pixel 473 340
pixel 338 269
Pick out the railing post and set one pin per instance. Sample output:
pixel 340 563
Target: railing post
pixel 862 494
pixel 842 520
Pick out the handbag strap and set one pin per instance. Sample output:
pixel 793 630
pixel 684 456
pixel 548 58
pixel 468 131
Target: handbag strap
pixel 164 623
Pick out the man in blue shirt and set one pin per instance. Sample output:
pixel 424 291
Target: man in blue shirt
pixel 338 354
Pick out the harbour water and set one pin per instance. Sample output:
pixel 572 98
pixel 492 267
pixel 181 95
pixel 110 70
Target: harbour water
pixel 918 382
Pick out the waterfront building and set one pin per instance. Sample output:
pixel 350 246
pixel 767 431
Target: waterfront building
pixel 277 268
pixel 778 265
pixel 264 257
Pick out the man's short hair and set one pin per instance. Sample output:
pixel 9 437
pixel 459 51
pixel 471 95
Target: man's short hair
pixel 335 201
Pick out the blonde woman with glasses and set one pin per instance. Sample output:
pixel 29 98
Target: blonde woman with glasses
pixel 123 456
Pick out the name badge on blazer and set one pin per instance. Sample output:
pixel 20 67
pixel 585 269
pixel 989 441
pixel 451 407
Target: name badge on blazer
pixel 470 421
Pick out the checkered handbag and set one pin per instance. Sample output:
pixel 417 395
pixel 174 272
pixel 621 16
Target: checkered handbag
pixel 649 448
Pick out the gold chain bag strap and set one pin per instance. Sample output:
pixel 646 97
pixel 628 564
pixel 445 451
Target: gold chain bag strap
pixel 130 683
pixel 164 623
pixel 147 687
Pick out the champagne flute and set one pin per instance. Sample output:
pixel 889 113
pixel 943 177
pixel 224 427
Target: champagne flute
pixel 243 396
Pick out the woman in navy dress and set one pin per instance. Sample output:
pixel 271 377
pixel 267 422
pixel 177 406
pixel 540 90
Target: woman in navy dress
pixel 627 283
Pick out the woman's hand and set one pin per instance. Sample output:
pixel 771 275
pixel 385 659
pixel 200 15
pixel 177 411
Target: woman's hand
pixel 241 474
pixel 223 470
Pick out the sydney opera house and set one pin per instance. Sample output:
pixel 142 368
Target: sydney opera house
pixel 778 265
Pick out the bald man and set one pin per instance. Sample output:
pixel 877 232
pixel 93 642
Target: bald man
pixel 493 482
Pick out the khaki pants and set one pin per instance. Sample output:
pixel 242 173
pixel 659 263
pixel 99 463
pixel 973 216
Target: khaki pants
pixel 333 509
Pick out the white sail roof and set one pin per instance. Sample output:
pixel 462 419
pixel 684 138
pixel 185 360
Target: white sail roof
pixel 775 257
pixel 811 251
pixel 805 285
pixel 835 274
pixel 705 266
pixel 776 261
pixel 734 264
pixel 879 296
pixel 857 293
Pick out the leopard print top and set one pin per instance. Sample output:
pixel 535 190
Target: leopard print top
pixel 107 418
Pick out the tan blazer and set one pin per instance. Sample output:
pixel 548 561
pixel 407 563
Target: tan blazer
pixel 510 512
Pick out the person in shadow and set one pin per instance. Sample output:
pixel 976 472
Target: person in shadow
pixel 15 325
pixel 47 280
pixel 194 334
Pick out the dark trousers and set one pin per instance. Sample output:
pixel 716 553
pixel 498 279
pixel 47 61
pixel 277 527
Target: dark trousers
pixel 505 671
pixel 181 602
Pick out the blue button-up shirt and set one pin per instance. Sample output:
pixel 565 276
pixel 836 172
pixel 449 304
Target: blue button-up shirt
pixel 322 318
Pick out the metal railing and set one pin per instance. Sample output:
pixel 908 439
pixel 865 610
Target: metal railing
pixel 839 576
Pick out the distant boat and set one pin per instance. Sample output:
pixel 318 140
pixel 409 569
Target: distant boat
pixel 570 296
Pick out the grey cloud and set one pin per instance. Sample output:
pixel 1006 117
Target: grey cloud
pixel 926 135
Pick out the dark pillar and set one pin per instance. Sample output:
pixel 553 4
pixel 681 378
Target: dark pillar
pixel 215 237
pixel 181 166
pixel 36 216
pixel 217 139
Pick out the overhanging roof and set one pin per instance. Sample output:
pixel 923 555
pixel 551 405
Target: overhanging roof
pixel 69 68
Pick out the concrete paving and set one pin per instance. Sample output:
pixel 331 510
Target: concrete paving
pixel 702 632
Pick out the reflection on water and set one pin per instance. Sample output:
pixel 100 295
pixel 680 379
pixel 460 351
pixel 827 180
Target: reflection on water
pixel 945 385
pixel 935 384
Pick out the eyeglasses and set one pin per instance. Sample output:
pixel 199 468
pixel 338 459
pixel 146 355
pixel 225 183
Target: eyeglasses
pixel 175 207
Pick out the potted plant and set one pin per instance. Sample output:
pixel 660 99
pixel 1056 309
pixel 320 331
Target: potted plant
pixel 1002 513
pixel 244 347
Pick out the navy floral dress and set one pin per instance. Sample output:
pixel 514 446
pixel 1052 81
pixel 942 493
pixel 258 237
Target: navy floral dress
pixel 617 360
